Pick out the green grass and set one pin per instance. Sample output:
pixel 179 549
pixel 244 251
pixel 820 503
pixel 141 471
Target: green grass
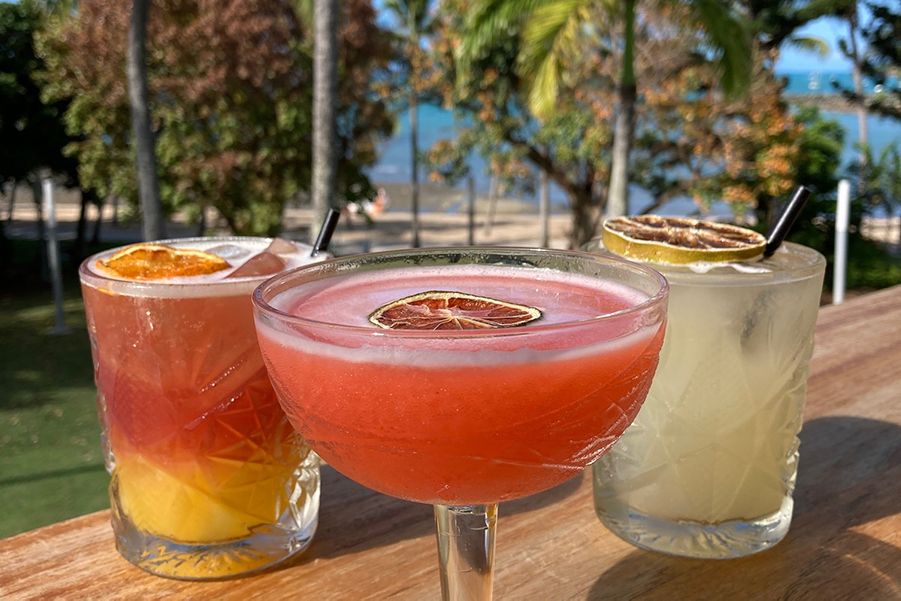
pixel 51 464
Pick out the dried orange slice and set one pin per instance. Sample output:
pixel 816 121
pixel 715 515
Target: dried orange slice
pixel 680 240
pixel 157 261
pixel 444 310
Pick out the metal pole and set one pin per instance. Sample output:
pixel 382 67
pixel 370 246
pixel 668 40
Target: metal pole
pixel 471 210
pixel 840 265
pixel 59 326
pixel 544 209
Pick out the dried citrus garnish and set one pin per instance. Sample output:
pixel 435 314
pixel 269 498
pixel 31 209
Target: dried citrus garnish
pixel 443 310
pixel 679 240
pixel 158 261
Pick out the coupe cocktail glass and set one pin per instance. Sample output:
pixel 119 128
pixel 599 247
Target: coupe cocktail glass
pixel 209 480
pixel 463 419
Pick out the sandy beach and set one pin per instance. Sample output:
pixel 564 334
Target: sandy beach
pixel 443 222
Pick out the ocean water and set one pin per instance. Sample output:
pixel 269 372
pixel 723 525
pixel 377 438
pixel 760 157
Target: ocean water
pixel 817 82
pixel 436 123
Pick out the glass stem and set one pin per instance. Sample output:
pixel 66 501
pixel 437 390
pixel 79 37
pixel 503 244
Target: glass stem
pixel 466 551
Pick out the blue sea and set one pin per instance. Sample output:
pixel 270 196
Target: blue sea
pixel 436 124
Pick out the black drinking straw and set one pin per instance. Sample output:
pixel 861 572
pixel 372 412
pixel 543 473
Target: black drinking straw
pixel 325 232
pixel 786 220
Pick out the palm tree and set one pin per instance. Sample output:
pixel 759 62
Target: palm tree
pixel 414 23
pixel 136 67
pixel 851 51
pixel 548 26
pixel 325 76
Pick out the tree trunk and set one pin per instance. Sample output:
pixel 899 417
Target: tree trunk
pixel 12 201
pixel 414 164
pixel 37 194
pixel 82 227
pixel 624 128
pixel 148 185
pixel 4 245
pixel 95 235
pixel 201 221
pixel 492 205
pixel 544 209
pixel 857 77
pixel 5 251
pixel 325 69
pixel 585 217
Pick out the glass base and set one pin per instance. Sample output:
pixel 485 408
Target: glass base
pixel 724 540
pixel 265 548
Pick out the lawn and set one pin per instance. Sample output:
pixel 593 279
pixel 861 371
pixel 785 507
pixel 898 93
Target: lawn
pixel 51 465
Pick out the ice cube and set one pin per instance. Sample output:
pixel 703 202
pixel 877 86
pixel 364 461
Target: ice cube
pixel 280 246
pixel 264 263
pixel 229 251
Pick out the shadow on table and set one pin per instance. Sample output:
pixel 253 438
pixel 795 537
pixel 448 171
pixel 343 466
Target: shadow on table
pixel 349 525
pixel 843 487
pixel 847 566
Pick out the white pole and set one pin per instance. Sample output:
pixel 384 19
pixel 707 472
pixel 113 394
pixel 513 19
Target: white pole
pixel 59 326
pixel 842 210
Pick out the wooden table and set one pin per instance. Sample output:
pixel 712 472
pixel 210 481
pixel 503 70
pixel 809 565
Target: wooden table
pixel 844 542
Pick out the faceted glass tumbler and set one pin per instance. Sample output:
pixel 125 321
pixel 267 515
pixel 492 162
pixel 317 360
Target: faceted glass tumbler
pixel 209 480
pixel 708 467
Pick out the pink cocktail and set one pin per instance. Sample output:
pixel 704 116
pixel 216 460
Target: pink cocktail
pixel 463 418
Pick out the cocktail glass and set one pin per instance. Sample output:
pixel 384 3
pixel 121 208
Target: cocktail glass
pixel 708 467
pixel 209 480
pixel 463 419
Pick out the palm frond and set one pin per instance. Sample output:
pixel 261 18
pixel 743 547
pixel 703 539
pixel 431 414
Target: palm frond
pixel 488 22
pixel 549 29
pixel 412 15
pixel 543 87
pixel 810 44
pixel 729 36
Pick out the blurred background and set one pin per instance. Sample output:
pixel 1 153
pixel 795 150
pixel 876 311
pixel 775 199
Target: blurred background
pixel 427 123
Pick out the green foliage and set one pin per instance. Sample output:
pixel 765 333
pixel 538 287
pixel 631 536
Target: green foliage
pixel 547 32
pixel 883 58
pixel 551 27
pixel 821 144
pixel 31 131
pixel 231 101
pixel 775 22
pixel 869 266
pixel 880 179
pixel 728 36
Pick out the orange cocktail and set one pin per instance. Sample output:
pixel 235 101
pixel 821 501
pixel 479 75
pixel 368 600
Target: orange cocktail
pixel 209 478
pixel 462 418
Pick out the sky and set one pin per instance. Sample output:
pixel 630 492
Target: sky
pixel 830 31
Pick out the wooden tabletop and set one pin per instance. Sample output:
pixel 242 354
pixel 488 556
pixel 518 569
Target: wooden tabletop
pixel 845 541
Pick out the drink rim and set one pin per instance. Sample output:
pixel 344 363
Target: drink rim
pixel 263 306
pixel 813 263
pixel 94 277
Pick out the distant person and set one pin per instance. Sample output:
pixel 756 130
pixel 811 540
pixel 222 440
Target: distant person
pixel 371 208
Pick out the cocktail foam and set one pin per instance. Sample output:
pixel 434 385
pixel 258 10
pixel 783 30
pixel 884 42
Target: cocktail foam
pixel 333 317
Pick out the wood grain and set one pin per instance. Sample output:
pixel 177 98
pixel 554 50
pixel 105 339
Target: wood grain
pixel 844 543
